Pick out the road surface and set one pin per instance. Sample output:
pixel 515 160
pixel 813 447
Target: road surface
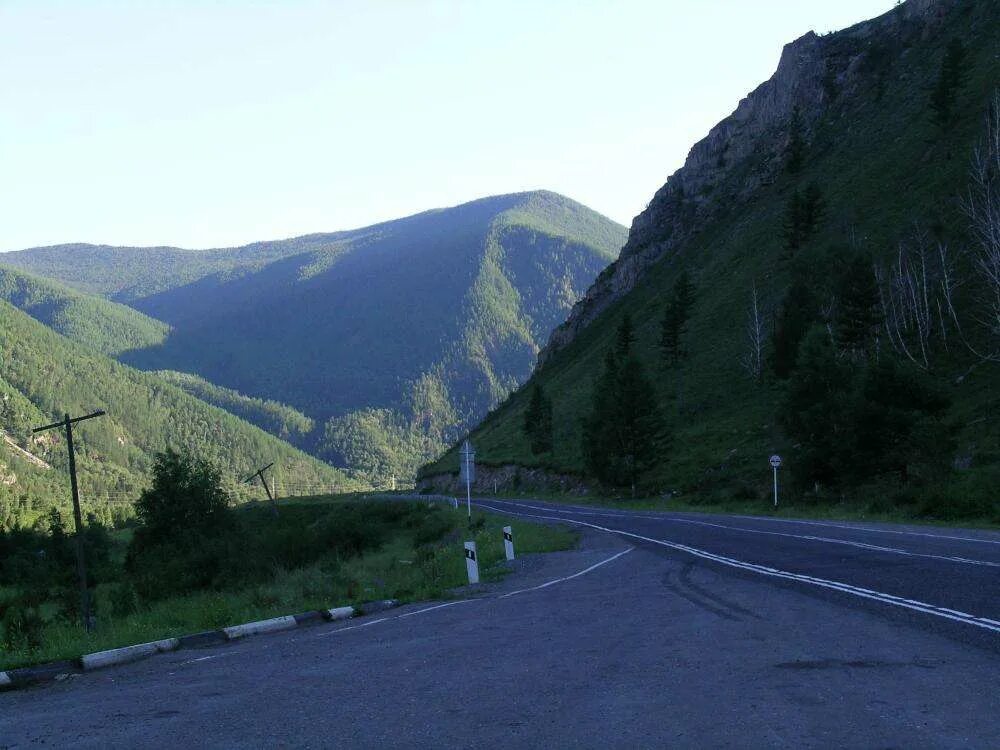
pixel 662 630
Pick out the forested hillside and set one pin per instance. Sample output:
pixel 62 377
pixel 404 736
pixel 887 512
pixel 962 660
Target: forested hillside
pixel 392 338
pixel 819 280
pixel 101 325
pixel 43 375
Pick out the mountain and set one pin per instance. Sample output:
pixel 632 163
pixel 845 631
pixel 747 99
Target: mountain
pixel 43 374
pixel 391 338
pixel 840 180
pixel 101 325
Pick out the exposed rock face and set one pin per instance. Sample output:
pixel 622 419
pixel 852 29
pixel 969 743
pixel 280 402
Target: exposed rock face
pixel 509 478
pixel 748 148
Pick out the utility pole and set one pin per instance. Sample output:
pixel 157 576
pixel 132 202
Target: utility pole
pixel 468 473
pixel 81 562
pixel 263 481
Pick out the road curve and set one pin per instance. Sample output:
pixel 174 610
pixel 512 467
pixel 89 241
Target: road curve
pixel 662 630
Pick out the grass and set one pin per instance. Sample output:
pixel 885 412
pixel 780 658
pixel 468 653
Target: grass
pixel 399 569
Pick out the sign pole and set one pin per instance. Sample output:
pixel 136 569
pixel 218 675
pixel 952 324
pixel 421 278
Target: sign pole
pixel 775 463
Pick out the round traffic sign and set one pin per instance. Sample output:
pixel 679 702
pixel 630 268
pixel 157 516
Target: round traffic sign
pixel 775 461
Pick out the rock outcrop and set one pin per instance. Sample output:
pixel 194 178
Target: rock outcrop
pixel 749 148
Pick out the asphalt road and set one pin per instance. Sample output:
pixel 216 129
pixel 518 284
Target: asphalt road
pixel 663 630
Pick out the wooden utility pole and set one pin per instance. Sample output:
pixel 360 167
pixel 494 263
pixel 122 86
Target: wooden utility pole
pixel 263 481
pixel 81 563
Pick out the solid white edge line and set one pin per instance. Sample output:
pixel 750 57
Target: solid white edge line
pixel 846 588
pixel 567 578
pixel 436 606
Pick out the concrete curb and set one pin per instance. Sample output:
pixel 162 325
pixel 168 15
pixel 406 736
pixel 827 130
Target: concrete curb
pixel 14 679
pixel 126 654
pixel 261 626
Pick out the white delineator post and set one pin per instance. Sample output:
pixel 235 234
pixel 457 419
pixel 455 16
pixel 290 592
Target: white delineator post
pixel 472 562
pixel 775 463
pixel 508 542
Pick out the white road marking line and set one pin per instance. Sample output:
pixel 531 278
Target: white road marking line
pixel 567 578
pixel 355 627
pixel 203 658
pixel 846 527
pixel 963 617
pixel 436 606
pixel 828 540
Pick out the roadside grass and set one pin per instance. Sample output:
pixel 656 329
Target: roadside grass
pixel 399 569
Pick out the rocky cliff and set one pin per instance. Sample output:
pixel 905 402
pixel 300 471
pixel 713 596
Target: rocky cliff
pixel 816 76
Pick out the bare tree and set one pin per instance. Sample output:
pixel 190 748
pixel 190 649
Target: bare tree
pixel 756 337
pixel 982 207
pixel 915 294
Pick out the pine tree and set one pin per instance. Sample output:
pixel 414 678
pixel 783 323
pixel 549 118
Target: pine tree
pixel 949 81
pixel 858 317
pixel 813 413
pixel 538 421
pixel 804 213
pixel 797 314
pixel 796 143
pixel 624 429
pixel 625 336
pixel 673 326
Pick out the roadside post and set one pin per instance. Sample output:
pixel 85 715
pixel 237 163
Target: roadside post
pixel 81 563
pixel 471 562
pixel 775 463
pixel 468 462
pixel 508 542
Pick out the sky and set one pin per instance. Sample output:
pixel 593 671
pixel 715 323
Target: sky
pixel 218 123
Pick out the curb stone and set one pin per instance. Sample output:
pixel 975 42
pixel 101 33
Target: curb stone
pixel 13 679
pixel 127 654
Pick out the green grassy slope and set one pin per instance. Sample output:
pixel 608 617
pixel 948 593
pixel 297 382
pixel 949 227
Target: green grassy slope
pixel 392 338
pixel 43 375
pixel 882 165
pixel 103 326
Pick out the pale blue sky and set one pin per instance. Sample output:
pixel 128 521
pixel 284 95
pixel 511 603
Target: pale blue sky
pixel 206 124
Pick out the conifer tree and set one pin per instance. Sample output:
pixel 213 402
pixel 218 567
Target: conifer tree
pixel 625 337
pixel 796 143
pixel 797 313
pixel 858 317
pixel 949 81
pixel 538 421
pixel 673 326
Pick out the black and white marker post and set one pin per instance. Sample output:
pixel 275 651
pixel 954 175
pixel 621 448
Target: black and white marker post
pixel 775 463
pixel 508 542
pixel 471 562
pixel 468 461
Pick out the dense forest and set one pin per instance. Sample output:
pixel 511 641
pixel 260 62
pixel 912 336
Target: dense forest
pixel 391 339
pixel 44 374
pixel 820 280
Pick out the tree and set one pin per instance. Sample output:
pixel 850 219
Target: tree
pixel 950 80
pixel 796 143
pixel 804 213
pixel 186 497
pixel 797 314
pixel 756 337
pixel 538 421
pixel 673 326
pixel 858 317
pixel 813 410
pixel 624 429
pixel 897 422
pixel 625 336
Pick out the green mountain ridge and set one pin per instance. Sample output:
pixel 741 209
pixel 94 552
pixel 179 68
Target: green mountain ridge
pixel 391 338
pixel 890 176
pixel 43 374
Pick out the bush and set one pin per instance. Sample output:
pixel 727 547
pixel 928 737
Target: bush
pixel 21 626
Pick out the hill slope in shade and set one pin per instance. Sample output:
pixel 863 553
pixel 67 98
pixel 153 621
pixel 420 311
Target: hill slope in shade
pixel 103 326
pixel 43 374
pixel 888 174
pixel 393 338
